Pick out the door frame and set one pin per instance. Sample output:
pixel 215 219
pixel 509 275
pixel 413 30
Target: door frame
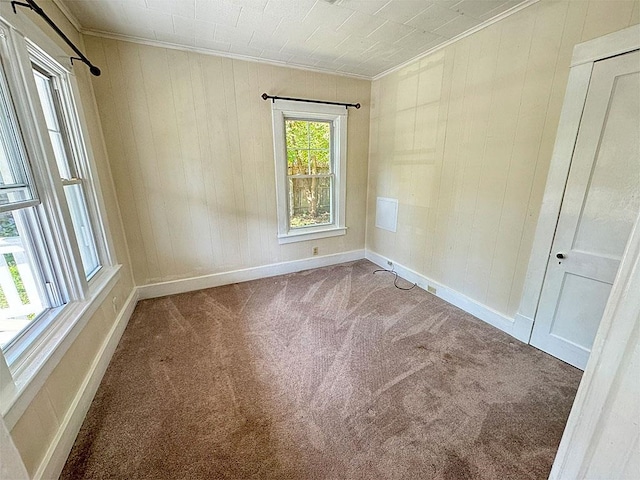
pixel 584 56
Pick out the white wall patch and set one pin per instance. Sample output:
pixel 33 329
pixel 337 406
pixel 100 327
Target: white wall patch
pixel 387 213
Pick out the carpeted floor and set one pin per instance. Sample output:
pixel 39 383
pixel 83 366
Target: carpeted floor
pixel 326 374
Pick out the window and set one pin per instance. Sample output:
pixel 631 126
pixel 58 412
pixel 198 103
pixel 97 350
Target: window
pixel 16 189
pixel 310 152
pixel 23 279
pixel 69 153
pixel 52 244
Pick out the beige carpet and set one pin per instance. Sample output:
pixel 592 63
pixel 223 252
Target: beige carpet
pixel 326 374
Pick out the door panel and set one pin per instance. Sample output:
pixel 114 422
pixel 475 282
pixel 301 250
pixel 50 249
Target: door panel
pixel 614 179
pixel 599 207
pixel 587 313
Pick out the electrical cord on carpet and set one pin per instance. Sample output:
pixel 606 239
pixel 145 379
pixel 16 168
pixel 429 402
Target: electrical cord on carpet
pixel 395 280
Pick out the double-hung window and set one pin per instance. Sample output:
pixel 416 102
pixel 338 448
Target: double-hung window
pixel 62 125
pixel 27 277
pixel 310 143
pixel 53 247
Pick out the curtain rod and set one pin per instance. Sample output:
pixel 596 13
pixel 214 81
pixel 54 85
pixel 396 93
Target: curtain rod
pixel 30 4
pixel 274 98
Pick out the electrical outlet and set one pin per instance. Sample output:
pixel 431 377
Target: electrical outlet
pixel 314 251
pixel 390 263
pixel 431 289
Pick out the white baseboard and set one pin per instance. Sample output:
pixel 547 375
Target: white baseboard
pixel 522 328
pixel 58 451
pixel 57 454
pixel 154 290
pixel 449 295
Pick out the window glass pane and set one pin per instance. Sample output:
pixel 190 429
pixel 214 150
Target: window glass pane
pixel 320 161
pixel 82 228
pixel 14 195
pixel 45 92
pixel 57 143
pixel 319 135
pixel 310 201
pixel 297 133
pixel 43 84
pixel 15 187
pixel 308 147
pixel 309 154
pixel 20 300
pixel 298 162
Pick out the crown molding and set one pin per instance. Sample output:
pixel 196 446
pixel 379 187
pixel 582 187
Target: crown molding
pixel 205 51
pixel 70 16
pixel 217 53
pixel 457 38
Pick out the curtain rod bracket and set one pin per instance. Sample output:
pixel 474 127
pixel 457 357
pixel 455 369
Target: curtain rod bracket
pixel 31 5
pixel 22 4
pixel 273 98
pixel 95 71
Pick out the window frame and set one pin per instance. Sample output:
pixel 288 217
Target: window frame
pixel 336 115
pixel 17 141
pixel 28 361
pixel 75 147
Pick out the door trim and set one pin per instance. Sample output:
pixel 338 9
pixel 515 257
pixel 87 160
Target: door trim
pixel 584 56
pixel 617 43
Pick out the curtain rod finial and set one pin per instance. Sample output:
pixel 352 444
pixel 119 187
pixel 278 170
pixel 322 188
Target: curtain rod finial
pixel 32 5
pixel 264 96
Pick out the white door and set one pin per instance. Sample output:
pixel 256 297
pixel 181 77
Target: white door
pixel 599 207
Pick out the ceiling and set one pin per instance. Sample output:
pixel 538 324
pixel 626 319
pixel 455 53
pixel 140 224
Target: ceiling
pixel 363 38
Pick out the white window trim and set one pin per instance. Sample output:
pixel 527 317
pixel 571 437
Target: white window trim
pixel 282 109
pixel 78 139
pixel 26 365
pixel 31 368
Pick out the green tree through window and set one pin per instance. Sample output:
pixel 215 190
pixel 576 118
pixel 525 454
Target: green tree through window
pixel 309 172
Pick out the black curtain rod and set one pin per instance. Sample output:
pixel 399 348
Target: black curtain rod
pixel 30 4
pixel 274 98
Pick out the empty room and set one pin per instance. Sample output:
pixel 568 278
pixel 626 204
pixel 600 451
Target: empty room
pixel 320 239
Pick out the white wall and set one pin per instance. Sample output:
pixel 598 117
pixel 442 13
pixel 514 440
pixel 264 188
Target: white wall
pixel 191 146
pixel 463 139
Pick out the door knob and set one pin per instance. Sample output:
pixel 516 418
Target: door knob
pixel 560 255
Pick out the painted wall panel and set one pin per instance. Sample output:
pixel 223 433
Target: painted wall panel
pixel 469 172
pixel 462 138
pixel 40 421
pixel 192 149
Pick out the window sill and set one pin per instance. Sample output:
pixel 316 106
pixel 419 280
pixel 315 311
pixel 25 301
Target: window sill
pixel 311 234
pixel 32 367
